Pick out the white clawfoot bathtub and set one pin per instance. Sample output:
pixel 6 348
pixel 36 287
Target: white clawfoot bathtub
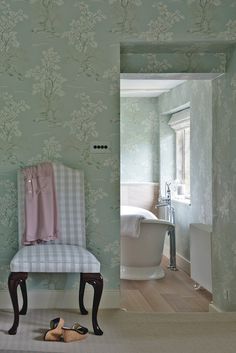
pixel 141 257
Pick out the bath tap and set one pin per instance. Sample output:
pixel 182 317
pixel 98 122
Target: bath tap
pixel 162 202
pixel 166 202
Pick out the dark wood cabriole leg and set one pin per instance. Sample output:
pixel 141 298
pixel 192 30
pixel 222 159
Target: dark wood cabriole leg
pixel 81 295
pixel 24 296
pixel 95 280
pixel 16 278
pixel 97 283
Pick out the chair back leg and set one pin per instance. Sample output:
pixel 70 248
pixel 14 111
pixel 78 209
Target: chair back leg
pixel 95 280
pixel 16 278
pixel 81 295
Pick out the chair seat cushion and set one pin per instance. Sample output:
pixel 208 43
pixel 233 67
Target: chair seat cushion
pixel 54 258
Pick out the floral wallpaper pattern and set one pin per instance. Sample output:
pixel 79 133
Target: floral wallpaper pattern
pixel 48 15
pixel 11 110
pixel 204 10
pixel 125 21
pixel 139 140
pixel 161 27
pixel 224 188
pixel 59 66
pixel 9 42
pixel 48 83
pixel 81 37
pixel 190 61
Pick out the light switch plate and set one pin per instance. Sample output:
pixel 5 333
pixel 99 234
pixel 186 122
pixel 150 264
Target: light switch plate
pixel 100 147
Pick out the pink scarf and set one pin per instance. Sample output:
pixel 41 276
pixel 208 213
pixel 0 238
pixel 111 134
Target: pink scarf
pixel 41 219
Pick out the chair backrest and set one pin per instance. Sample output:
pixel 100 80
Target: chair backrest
pixel 69 185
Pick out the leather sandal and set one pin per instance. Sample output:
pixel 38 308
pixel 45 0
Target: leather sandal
pixel 75 333
pixel 55 332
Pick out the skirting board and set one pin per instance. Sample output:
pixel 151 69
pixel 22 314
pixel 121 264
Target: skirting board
pixel 214 309
pixel 181 262
pixel 63 299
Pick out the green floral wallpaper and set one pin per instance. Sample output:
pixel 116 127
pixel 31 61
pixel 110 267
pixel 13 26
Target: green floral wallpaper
pixel 59 92
pixel 166 62
pixel 139 140
pixel 224 188
pixel 55 100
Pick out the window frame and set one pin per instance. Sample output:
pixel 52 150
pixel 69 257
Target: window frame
pixel 180 123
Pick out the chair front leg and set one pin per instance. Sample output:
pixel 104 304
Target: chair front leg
pixel 95 280
pixel 24 296
pixel 16 278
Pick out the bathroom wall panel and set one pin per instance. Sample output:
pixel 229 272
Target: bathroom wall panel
pixel 139 140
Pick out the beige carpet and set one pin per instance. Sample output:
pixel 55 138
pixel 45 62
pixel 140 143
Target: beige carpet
pixel 126 333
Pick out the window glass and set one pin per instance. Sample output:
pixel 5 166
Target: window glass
pixel 187 161
pixel 179 156
pixel 180 122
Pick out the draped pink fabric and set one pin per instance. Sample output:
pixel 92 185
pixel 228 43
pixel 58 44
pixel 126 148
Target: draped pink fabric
pixel 41 218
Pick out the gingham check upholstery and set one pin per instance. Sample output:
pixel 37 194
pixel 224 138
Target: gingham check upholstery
pixel 54 258
pixel 68 253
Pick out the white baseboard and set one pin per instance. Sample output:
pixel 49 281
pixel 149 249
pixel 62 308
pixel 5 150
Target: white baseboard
pixel 63 299
pixel 214 309
pixel 181 262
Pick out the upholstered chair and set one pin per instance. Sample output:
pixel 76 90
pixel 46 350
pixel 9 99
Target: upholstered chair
pixel 67 254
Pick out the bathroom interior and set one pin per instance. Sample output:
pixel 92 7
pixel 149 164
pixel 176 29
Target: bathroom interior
pixel 166 168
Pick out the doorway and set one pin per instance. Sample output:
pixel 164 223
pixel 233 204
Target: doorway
pixel 148 155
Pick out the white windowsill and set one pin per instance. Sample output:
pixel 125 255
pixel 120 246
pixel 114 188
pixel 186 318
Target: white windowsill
pixel 184 201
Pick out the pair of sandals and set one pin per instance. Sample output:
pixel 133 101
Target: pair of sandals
pixel 58 332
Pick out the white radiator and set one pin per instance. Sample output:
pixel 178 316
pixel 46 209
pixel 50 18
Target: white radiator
pixel 200 254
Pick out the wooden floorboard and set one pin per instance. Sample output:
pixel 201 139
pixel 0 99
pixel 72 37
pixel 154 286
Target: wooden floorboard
pixel 135 301
pixel 174 293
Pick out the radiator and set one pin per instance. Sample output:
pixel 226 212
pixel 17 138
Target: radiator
pixel 200 254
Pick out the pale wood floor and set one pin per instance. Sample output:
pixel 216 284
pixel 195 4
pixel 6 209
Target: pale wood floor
pixel 174 293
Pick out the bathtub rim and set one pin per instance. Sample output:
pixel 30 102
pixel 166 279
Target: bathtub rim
pixel 158 221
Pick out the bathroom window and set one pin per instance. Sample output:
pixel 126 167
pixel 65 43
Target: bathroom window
pixel 180 122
